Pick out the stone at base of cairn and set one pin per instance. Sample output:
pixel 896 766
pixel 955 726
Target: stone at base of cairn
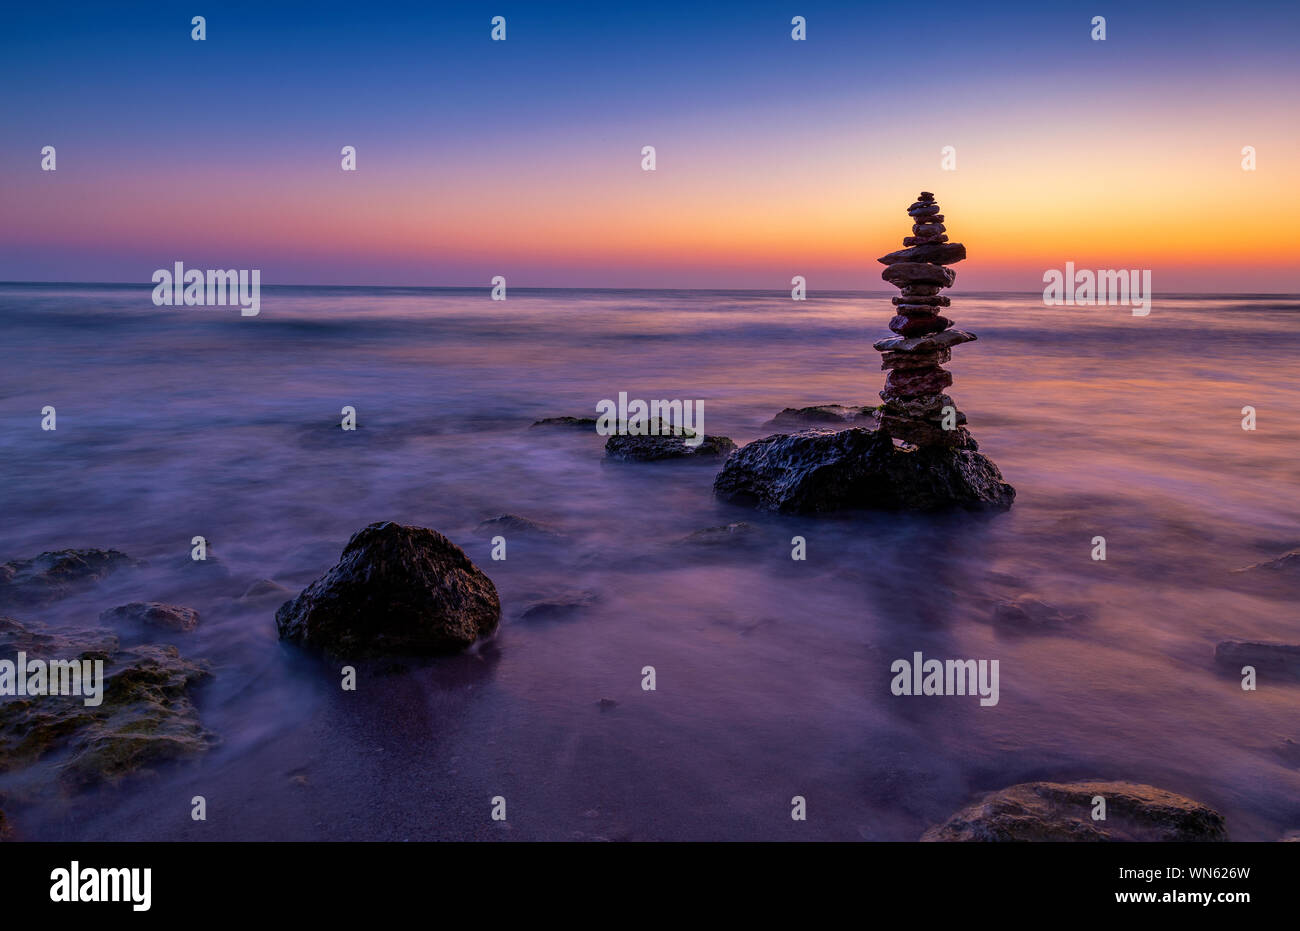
pixel 927 432
pixel 859 468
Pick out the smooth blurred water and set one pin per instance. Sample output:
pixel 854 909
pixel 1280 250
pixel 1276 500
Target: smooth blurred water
pixel 773 675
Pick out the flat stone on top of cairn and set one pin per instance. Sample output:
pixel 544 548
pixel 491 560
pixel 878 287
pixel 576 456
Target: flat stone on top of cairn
pixel 914 389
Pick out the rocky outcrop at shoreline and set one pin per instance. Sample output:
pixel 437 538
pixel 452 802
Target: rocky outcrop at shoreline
pixel 396 590
pixel 146 715
pixel 57 574
pixel 1053 811
pixel 628 447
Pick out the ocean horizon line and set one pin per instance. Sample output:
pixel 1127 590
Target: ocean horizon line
pixel 626 289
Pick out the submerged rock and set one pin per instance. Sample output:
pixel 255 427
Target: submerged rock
pixel 729 534
pixel 1026 614
pixel 396 590
pixel 833 414
pixel 153 614
pixel 559 606
pixel 6 832
pixel 572 423
pixel 1288 564
pixel 145 716
pixel 812 472
pixel 1283 657
pixel 1052 811
pixel 513 523
pixel 264 588
pixel 629 448
pixel 56 574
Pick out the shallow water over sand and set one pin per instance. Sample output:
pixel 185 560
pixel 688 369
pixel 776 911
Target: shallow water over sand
pixel 772 675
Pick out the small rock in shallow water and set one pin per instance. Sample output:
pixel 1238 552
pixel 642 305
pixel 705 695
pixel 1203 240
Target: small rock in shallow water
pixel 396 590
pixel 559 606
pixel 264 588
pixel 1288 564
pixel 513 523
pixel 1026 614
pixel 628 448
pixel 153 614
pixel 572 423
pixel 56 574
pixel 1051 811
pixel 724 534
pixel 835 414
pixel 1284 657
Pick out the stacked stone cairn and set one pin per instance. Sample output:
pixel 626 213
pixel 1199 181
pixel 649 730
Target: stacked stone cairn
pixel 916 409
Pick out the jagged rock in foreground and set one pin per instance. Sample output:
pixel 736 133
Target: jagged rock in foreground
pixel 56 574
pixel 395 591
pixel 153 614
pixel 631 448
pixel 814 472
pixel 145 717
pixel 1052 811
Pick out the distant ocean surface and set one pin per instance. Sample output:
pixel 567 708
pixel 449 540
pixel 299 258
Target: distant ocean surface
pixel 772 675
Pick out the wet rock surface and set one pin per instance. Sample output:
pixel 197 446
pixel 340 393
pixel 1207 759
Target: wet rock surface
pixel 813 471
pixel 1278 657
pixel 396 590
pixel 824 414
pixel 725 534
pixel 560 606
pixel 630 448
pixel 1053 811
pixel 1286 566
pixel 56 574
pixel 153 614
pixel 568 423
pixel 146 716
pixel 513 523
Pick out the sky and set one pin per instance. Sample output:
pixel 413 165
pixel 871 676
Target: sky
pixel 774 157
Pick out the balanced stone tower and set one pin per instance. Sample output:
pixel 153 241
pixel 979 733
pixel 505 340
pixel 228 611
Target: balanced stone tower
pixel 916 409
pixel 937 464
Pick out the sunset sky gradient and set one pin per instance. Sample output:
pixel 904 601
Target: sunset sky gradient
pixel 775 158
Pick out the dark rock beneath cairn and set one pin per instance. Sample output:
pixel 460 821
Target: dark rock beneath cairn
pixel 813 472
